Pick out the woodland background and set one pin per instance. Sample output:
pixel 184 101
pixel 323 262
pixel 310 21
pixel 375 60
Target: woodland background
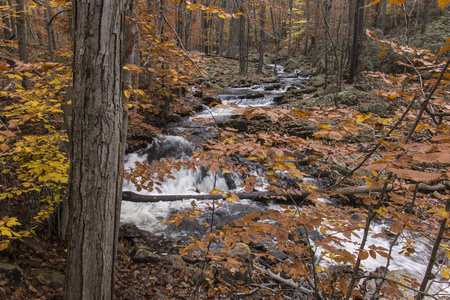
pixel 392 56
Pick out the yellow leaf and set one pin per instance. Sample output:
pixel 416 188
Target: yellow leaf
pixel 214 192
pixel 362 118
pixel 443 214
pixel 322 230
pixel 56 80
pixel 443 3
pixel 318 269
pixel 397 2
pixel 384 121
pixel 369 182
pixel 445 274
pixel 127 93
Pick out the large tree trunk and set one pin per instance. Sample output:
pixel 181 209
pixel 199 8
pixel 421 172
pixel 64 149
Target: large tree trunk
pixel 97 148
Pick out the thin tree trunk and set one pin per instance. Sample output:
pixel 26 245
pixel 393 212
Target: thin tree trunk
pixel 262 25
pixel 47 13
pixel 356 43
pixel 22 38
pixel 426 15
pixel 308 21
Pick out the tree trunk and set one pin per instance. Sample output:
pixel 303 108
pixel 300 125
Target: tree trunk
pixel 358 22
pixel 22 38
pixel 262 25
pixel 50 48
pixel 98 146
pixel 426 15
pixel 307 27
pixel 383 16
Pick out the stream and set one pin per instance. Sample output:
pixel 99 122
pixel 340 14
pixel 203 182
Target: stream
pixel 148 216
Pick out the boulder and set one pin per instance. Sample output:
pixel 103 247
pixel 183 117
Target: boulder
pixel 210 99
pixel 291 65
pixel 177 262
pixel 252 95
pixel 363 87
pixel 331 89
pixel 317 81
pixel 145 255
pixel 13 275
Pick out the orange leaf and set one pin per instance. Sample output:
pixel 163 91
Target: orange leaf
pixel 397 2
pixel 443 3
pixel 444 48
pixel 372 3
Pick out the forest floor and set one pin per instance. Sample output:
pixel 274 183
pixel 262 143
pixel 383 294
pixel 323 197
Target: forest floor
pixel 43 258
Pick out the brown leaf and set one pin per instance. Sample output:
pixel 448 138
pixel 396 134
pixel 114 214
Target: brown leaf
pixel 397 227
pixel 441 157
pixel 282 236
pixel 335 135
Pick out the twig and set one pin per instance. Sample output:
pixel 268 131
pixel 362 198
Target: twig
pixel 181 44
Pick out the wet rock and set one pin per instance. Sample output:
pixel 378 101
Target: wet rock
pixel 272 87
pixel 198 93
pixel 129 231
pixel 13 275
pixel 175 118
pixel 210 99
pixel 252 95
pixel 278 99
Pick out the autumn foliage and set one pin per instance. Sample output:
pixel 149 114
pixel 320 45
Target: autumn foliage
pixel 399 175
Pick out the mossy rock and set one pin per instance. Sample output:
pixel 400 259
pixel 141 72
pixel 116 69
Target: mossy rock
pixel 378 109
pixel 317 81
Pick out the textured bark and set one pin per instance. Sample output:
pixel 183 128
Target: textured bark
pixel 97 148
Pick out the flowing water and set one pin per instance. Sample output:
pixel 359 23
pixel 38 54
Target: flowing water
pixel 148 216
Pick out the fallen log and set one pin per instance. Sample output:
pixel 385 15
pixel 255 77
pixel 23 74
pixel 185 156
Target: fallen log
pixel 264 196
pixel 255 196
pixel 365 189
